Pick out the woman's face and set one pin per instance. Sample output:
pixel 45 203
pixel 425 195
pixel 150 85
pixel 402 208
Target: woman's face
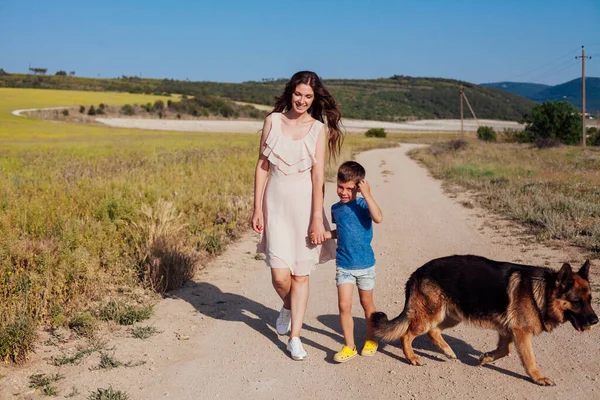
pixel 302 98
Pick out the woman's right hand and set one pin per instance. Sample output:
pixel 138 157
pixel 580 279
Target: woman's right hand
pixel 257 221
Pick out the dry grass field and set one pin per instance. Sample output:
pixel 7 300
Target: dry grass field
pixel 91 214
pixel 554 191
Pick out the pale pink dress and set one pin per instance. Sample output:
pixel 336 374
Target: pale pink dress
pixel 287 203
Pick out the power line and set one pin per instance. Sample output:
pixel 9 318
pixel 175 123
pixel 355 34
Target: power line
pixel 556 70
pixel 545 65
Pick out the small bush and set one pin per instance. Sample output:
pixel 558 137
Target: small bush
pixel 445 147
pixel 376 132
pixel 159 105
pixel 108 394
pixel 127 109
pixel 143 332
pixel 486 133
pixel 81 109
pixel 91 111
pixel 44 382
pixel 546 143
pixel 511 135
pixel 84 324
pixel 17 339
pixel 594 136
pixel 65 113
pixel 124 314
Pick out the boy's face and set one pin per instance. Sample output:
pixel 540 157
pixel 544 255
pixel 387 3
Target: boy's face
pixel 347 191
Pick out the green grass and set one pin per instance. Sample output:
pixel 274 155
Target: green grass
pixel 17 338
pixel 123 313
pixel 554 192
pixel 44 383
pixel 108 394
pixel 74 359
pixel 110 362
pixel 143 332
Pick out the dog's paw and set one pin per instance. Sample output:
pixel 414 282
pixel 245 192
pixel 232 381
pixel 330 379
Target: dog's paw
pixel 485 358
pixel 544 381
pixel 451 356
pixel 416 362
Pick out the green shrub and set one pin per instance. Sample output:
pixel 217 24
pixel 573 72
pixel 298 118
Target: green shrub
pixel 454 145
pixel 108 394
pixel 158 106
pixel 81 109
pixel 65 113
pixel 555 120
pixel 91 111
pixel 486 133
pixel 17 339
pixel 127 109
pixel 593 136
pixel 123 313
pixel 376 132
pixel 84 324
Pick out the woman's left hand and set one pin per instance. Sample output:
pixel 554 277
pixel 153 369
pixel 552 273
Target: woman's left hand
pixel 317 232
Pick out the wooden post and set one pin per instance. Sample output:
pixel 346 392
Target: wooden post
pixel 583 57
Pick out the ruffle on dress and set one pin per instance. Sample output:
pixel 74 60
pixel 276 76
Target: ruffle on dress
pixel 291 156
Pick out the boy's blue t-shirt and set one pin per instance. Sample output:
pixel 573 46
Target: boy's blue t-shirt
pixel 354 234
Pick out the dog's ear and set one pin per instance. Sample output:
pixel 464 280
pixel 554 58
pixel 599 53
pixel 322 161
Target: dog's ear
pixel 565 280
pixel 584 271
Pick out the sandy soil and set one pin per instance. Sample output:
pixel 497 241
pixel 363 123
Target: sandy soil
pixel 217 336
pixel 351 125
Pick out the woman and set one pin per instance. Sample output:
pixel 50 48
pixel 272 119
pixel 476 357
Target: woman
pixel 288 194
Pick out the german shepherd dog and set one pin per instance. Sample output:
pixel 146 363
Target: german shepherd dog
pixel 518 301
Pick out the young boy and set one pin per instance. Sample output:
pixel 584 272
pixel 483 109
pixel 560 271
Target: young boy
pixel 355 259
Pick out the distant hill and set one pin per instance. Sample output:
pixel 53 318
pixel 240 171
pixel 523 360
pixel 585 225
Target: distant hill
pixel 521 88
pixel 397 98
pixel 568 91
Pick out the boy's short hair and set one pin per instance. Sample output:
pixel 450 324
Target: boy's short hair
pixel 350 171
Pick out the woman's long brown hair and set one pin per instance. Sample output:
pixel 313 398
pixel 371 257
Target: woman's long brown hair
pixel 324 105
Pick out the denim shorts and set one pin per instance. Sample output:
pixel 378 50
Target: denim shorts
pixel 363 278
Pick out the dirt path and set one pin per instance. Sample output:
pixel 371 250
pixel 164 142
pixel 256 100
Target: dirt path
pixel 230 348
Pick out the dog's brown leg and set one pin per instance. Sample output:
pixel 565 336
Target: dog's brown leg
pixel 502 350
pixel 407 340
pixel 435 335
pixel 523 344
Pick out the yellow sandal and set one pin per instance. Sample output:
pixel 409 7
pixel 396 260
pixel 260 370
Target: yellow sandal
pixel 345 354
pixel 370 348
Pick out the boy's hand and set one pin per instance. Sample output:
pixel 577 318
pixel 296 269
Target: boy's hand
pixel 364 188
pixel 313 237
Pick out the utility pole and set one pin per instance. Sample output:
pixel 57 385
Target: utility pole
pixel 464 96
pixel 461 111
pixel 583 57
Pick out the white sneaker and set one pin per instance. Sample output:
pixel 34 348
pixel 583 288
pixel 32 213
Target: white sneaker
pixel 294 347
pixel 284 321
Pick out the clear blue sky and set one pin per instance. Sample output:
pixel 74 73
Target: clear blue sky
pixel 235 41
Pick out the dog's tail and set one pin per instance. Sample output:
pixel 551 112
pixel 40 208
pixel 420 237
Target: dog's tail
pixel 387 330
pixel 390 331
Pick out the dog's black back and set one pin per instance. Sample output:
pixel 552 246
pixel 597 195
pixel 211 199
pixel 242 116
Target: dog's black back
pixel 477 285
